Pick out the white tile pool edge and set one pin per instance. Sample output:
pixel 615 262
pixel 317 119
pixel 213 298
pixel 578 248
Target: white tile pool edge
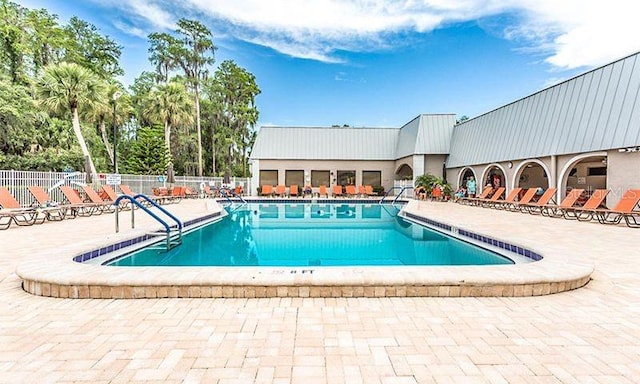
pixel 59 276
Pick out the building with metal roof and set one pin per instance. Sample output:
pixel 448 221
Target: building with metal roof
pixel 581 133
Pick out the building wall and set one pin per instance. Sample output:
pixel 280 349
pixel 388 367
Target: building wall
pixel 386 167
pixel 433 164
pixel 623 173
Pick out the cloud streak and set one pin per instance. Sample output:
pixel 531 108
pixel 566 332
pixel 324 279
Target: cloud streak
pixel 568 33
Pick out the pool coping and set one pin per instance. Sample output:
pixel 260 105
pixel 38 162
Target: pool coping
pixel 60 276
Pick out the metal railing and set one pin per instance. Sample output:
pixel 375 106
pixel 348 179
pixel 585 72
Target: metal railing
pixel 402 189
pixel 170 240
pixel 18 182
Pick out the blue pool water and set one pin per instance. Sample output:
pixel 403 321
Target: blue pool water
pixel 314 235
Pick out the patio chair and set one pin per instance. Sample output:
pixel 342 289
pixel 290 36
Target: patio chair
pixel 560 209
pixel 266 190
pixel 293 190
pixel 494 198
pixel 628 208
pixel 351 190
pixel 475 200
pixel 107 193
pixel 586 212
pixel 53 209
pixel 511 198
pixel 537 207
pixel 12 211
pixel 94 197
pixel 281 190
pixel 368 189
pixel 322 191
pixel 81 208
pixel 127 191
pixel 526 199
pixel 361 191
pixel 336 190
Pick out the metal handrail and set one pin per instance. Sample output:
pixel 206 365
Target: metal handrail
pixel 402 189
pixel 134 201
pixel 155 204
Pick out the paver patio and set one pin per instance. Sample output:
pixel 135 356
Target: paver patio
pixel 589 335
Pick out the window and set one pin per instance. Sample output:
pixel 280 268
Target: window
pixel 319 178
pixel 597 171
pixel 268 177
pixel 373 178
pixel 346 178
pixel 294 177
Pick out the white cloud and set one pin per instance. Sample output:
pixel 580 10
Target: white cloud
pixel 569 33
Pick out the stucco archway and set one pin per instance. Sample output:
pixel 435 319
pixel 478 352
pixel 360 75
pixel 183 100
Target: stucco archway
pixel 495 175
pixel 404 172
pixel 531 173
pixel 584 178
pixel 463 175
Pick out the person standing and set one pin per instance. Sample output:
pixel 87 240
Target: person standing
pixel 471 187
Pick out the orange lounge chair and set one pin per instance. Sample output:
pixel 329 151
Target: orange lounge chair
pixel 13 212
pixel 336 190
pixel 476 200
pixel 54 210
pixel 351 190
pixel 281 190
pixel 368 189
pixel 238 190
pixel 293 190
pixel 94 197
pixel 536 208
pixel 361 191
pixel 494 198
pixel 560 209
pixel 628 208
pixel 266 190
pixel 81 208
pixel 322 191
pixel 526 199
pixel 511 198
pixel 127 191
pixel 107 193
pixel 586 212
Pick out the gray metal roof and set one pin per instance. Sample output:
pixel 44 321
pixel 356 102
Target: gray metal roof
pixel 344 143
pixel 426 134
pixel 591 112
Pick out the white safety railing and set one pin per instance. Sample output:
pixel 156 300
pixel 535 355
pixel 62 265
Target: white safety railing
pixel 18 182
pixel 406 193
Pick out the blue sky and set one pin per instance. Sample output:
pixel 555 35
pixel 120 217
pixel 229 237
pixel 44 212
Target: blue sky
pixel 379 63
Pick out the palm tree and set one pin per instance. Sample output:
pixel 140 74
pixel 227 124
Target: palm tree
pixel 65 87
pixel 172 104
pixel 102 112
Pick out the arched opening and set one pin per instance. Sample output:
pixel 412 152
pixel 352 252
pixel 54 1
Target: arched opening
pixel 464 175
pixel 404 172
pixel 493 176
pixel 587 171
pixel 531 174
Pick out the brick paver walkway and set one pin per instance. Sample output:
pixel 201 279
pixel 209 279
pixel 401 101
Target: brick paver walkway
pixel 590 335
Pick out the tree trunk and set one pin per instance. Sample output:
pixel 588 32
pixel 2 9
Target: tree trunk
pixel 105 139
pixel 199 130
pixel 75 122
pixel 167 135
pixel 213 151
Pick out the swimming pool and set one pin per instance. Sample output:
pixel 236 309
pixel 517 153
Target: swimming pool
pixel 298 235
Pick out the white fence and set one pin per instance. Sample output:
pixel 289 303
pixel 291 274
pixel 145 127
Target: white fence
pixel 17 182
pixel 407 193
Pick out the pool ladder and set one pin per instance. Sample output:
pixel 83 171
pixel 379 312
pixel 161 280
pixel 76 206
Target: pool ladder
pixel 402 189
pixel 173 234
